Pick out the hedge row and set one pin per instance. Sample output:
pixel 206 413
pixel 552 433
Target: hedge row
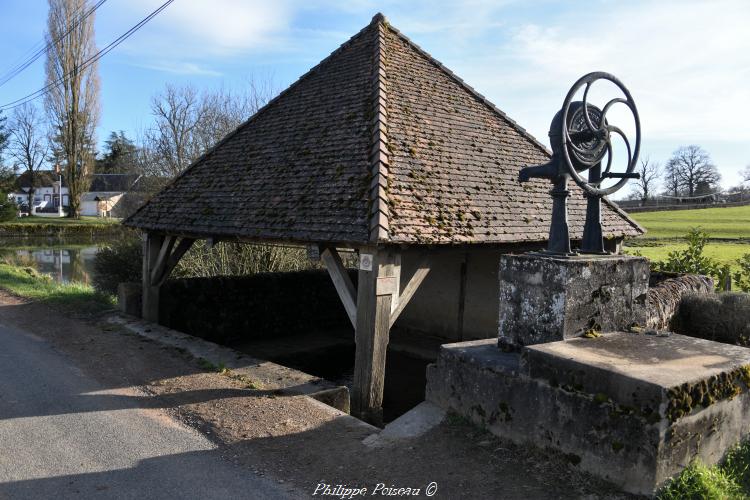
pixel 62 230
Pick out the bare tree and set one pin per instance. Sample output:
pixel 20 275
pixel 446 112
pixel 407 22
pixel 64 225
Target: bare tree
pixel 73 101
pixel 188 123
pixel 691 166
pixel 28 145
pixel 4 135
pixel 745 174
pixel 646 185
pixel 177 112
pixel 672 184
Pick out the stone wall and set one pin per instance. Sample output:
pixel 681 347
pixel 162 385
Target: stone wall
pixel 724 317
pixel 666 292
pixel 223 309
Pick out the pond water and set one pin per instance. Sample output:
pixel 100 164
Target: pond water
pixel 64 263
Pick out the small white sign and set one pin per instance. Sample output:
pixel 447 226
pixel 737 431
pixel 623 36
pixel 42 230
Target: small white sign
pixel 313 252
pixel 365 262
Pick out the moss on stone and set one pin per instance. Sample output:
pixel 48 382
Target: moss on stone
pixel 505 410
pixel 686 397
pixel 600 398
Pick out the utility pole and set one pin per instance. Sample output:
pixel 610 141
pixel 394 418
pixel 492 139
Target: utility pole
pixel 58 171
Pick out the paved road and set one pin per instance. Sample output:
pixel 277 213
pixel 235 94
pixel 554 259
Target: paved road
pixel 63 435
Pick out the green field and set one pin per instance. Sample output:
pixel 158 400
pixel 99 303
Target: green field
pixel 730 222
pixel 666 230
pixel 726 253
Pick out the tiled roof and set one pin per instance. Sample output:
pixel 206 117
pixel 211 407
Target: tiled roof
pixel 378 143
pixel 99 182
pixel 111 183
pixel 42 178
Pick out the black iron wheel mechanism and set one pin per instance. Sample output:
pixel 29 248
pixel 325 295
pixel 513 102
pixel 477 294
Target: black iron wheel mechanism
pixel 587 136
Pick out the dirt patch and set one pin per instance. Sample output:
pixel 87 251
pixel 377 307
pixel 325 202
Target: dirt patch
pixel 294 439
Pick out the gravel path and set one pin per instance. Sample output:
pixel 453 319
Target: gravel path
pixel 100 410
pixel 63 435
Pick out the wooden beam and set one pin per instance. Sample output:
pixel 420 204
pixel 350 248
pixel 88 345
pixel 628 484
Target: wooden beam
pixel 342 282
pixel 182 247
pixel 411 287
pixel 161 259
pixel 152 244
pixel 374 305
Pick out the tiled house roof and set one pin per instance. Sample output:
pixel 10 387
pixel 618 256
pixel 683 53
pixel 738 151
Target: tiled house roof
pixel 99 182
pixel 112 182
pixel 42 178
pixel 377 143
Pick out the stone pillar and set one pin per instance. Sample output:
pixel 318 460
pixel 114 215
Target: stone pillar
pixel 129 298
pixel 544 299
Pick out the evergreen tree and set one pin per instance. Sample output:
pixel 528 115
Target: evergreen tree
pixel 119 155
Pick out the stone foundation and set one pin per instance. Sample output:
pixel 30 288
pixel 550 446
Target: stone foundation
pixel 633 409
pixel 545 299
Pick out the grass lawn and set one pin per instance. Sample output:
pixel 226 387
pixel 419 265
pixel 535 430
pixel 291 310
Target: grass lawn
pixel 730 222
pixel 74 297
pixel 63 221
pixel 726 253
pixel 667 229
pixel 729 479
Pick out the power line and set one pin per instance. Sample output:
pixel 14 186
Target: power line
pixel 33 54
pixel 88 62
pixel 43 50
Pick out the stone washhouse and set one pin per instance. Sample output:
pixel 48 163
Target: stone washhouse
pixel 382 150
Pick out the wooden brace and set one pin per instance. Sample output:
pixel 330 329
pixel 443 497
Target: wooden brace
pixel 168 258
pixel 342 282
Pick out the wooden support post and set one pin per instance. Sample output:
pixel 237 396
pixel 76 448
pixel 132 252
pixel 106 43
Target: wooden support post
pixel 152 244
pixel 161 259
pixel 160 256
pixel 342 282
pixel 173 258
pixel 375 298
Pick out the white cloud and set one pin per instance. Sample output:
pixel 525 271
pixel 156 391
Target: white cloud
pixel 686 63
pixel 180 68
pixel 190 29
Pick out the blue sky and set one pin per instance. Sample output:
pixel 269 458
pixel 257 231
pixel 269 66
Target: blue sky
pixel 686 63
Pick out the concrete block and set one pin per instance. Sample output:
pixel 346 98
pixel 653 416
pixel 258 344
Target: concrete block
pixel 129 298
pixel 545 299
pixel 416 422
pixel 633 409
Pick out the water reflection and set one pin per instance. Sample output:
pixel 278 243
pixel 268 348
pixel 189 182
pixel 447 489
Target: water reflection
pixel 62 264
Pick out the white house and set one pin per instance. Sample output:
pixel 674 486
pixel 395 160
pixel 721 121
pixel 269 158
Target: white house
pixel 102 198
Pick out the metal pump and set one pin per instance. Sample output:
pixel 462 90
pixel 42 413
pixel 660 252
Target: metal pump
pixel 581 137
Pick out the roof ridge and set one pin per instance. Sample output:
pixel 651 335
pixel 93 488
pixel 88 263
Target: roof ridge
pixel 378 18
pixel 470 89
pixel 379 165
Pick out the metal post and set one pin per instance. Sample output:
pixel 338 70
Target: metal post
pixel 559 237
pixel 593 239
